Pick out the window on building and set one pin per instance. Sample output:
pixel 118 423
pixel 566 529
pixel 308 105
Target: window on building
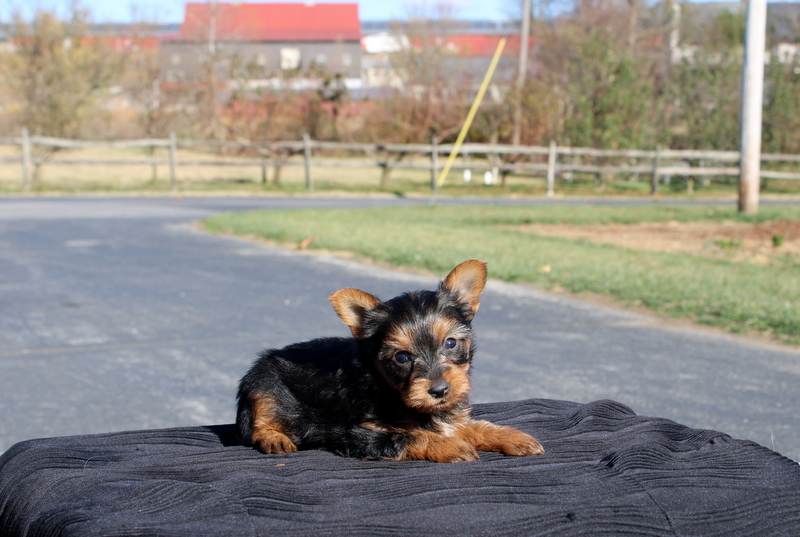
pixel 290 58
pixel 347 59
pixel 321 59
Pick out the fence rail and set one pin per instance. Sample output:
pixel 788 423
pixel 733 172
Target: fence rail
pixel 657 163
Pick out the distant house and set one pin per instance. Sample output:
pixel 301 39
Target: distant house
pixel 783 28
pixel 465 56
pixel 266 38
pixel 471 54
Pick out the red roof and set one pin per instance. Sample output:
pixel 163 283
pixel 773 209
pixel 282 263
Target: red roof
pixel 472 45
pixel 271 22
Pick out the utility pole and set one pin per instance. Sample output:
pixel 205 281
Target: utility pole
pixel 211 69
pixel 522 69
pixel 212 27
pixel 633 23
pixel 752 102
pixel 674 33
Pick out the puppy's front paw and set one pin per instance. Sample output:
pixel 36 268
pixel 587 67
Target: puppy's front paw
pixel 516 443
pixel 274 442
pixel 487 436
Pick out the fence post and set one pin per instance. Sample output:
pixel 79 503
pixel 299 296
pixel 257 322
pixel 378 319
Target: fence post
pixel 26 159
pixel 263 170
pixel 654 179
pixel 153 166
pixel 276 157
pixel 173 158
pixel 434 165
pixel 307 161
pixel 551 168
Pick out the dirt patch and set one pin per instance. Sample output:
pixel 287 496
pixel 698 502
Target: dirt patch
pixel 761 243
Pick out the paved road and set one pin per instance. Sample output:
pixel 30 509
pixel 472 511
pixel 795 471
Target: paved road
pixel 116 314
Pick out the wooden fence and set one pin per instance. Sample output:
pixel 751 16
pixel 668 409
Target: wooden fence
pixel 497 159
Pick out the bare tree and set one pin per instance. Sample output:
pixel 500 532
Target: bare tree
pixel 58 73
pixel 142 82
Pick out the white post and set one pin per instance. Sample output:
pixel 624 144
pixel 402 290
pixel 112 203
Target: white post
pixel 26 159
pixel 434 165
pixel 551 169
pixel 752 99
pixel 654 178
pixel 307 161
pixel 173 161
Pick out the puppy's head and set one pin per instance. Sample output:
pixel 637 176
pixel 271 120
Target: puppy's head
pixel 421 342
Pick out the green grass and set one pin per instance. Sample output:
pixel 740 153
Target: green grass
pixel 740 297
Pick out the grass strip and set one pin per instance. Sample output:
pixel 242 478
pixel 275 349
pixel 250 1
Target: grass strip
pixel 739 296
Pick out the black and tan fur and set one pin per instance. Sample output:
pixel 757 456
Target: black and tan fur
pixel 397 390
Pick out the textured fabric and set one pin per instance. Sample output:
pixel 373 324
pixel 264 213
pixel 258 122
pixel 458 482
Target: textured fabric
pixel 607 471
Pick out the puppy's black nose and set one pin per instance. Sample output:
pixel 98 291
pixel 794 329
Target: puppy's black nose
pixel 439 389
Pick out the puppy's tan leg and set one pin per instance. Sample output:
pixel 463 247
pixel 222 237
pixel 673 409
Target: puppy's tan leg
pixel 268 434
pixel 486 436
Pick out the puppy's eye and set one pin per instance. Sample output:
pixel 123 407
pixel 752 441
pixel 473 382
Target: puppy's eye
pixel 402 358
pixel 450 343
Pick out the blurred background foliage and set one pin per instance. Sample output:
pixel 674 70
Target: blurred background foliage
pixel 603 74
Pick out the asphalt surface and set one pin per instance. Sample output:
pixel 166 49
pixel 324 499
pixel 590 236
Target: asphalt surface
pixel 117 314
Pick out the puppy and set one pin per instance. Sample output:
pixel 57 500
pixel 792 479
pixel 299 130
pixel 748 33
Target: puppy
pixel 397 390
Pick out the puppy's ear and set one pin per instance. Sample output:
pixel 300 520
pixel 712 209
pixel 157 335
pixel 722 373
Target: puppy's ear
pixel 467 281
pixel 351 306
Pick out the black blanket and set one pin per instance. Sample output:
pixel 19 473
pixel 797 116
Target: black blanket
pixel 607 471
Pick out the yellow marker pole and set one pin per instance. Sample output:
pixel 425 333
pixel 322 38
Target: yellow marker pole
pixel 472 112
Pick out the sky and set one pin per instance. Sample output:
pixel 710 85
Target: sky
pixel 166 11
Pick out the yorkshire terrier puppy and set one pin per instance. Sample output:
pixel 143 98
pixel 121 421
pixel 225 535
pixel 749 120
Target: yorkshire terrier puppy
pixel 397 390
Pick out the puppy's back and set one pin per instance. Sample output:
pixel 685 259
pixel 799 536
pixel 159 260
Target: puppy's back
pixel 295 377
